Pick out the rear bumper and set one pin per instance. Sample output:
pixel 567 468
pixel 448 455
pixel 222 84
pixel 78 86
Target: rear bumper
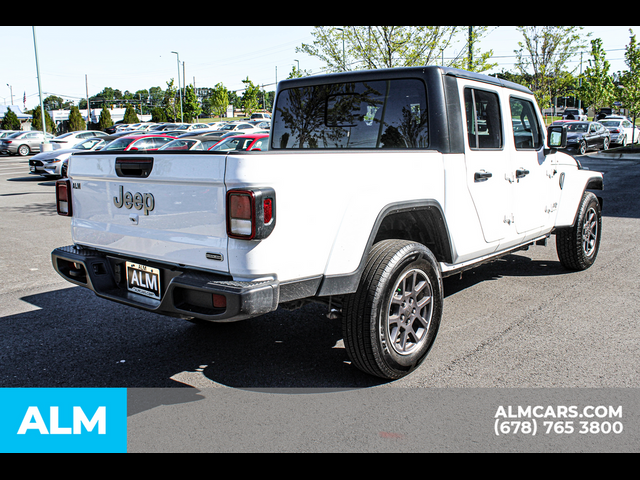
pixel 185 293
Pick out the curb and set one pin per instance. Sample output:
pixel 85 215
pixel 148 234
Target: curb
pixel 618 155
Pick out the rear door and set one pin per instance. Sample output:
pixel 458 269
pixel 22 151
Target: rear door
pixel 151 205
pixel 488 167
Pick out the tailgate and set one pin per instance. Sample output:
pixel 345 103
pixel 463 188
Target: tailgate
pixel 157 205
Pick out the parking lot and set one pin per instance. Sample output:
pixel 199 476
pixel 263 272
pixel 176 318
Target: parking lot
pixel 520 323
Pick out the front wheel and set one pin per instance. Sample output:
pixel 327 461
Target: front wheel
pixel 391 322
pixel 578 246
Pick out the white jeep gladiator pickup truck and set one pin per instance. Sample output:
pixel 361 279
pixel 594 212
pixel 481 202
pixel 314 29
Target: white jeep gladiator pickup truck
pixel 375 186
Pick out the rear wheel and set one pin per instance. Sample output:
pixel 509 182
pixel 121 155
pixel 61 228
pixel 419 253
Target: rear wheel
pixel 582 148
pixel 578 246
pixel 23 150
pixel 391 322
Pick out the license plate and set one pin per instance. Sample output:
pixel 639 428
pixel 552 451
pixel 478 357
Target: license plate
pixel 143 280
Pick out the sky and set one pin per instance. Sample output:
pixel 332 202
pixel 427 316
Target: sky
pixel 74 59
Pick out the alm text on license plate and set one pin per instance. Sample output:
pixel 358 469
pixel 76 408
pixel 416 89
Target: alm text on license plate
pixel 143 280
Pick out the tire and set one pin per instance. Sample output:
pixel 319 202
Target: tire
pixel 24 150
pixel 582 148
pixel 624 141
pixel 605 144
pixel 578 246
pixel 391 322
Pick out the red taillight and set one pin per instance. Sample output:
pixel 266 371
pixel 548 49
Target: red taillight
pixel 240 214
pixel 63 197
pixel 251 213
pixel 268 210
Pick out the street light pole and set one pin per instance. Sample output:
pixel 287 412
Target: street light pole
pixel 43 118
pixel 179 88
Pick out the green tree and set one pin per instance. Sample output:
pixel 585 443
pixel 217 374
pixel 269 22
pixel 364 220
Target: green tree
pixel 36 123
pixel 156 96
pixel 191 106
pixel 170 102
pixel 10 121
pixel 630 79
pixel 298 73
pixel 219 100
pixel 370 47
pixel 158 115
pixel 105 120
pixel 597 89
pixel 250 97
pixel 53 102
pixel 473 59
pixel 130 115
pixel 544 53
pixel 76 122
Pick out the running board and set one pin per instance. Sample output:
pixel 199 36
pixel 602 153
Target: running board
pixel 448 269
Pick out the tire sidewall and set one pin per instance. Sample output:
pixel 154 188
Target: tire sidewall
pixel 590 201
pixel 582 147
pixel 413 257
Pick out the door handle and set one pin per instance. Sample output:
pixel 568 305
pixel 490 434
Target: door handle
pixel 482 176
pixel 521 173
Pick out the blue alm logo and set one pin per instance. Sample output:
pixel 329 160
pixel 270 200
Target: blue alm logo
pixel 63 420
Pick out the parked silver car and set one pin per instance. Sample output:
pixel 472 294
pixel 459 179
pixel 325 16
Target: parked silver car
pixel 6 133
pixel 23 143
pixel 68 140
pixel 54 163
pixel 622 130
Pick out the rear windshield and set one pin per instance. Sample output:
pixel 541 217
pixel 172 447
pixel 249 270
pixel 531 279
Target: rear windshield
pixel 375 114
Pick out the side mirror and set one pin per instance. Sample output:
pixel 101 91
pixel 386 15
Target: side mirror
pixel 556 138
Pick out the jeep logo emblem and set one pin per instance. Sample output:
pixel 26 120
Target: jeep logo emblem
pixel 137 200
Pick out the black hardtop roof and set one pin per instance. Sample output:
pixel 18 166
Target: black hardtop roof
pixel 399 72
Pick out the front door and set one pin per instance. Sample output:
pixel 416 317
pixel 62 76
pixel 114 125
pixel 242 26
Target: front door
pixel 531 170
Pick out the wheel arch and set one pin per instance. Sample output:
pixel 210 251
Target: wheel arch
pixel 421 221
pixel 573 188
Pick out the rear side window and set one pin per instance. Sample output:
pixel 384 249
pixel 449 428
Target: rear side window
pixel 376 114
pixel 484 125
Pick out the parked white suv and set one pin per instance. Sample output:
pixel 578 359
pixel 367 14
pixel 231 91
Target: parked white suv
pixel 574 114
pixel 376 185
